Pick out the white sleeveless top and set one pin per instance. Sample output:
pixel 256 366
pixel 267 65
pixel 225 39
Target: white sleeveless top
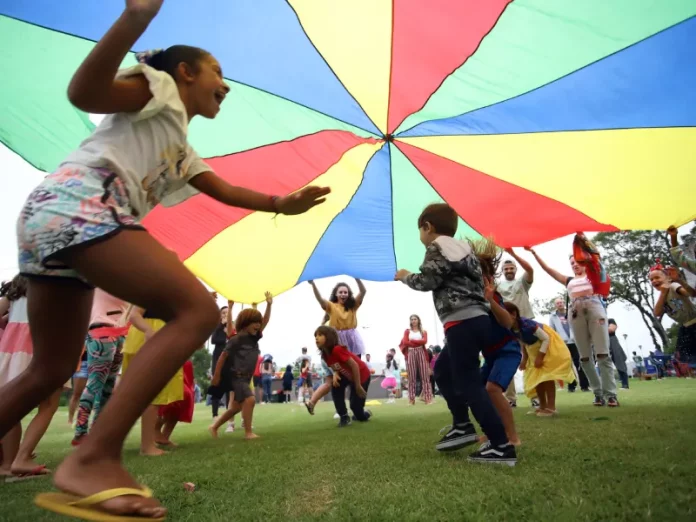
pixel 579 285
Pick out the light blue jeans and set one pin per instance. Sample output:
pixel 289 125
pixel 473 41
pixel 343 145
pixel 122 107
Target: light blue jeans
pixel 588 318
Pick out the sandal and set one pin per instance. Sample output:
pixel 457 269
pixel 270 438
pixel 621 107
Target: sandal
pixel 85 507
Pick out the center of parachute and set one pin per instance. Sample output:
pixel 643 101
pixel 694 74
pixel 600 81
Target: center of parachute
pixel 389 138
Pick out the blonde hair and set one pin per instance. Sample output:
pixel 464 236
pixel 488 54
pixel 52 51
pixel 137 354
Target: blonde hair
pixel 488 254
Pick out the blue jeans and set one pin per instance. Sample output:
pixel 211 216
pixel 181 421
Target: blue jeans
pixel 266 382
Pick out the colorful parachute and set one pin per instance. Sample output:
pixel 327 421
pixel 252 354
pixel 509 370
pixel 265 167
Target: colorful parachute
pixel 533 118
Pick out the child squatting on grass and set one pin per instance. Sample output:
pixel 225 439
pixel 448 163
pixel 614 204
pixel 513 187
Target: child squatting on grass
pixel 452 272
pixel 349 371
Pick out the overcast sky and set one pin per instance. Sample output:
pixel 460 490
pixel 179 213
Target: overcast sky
pixel 386 309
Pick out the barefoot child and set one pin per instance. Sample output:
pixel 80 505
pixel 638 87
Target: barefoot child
pixel 81 228
pixel 180 411
pixel 452 272
pixel 349 371
pixel 236 366
pixel 545 359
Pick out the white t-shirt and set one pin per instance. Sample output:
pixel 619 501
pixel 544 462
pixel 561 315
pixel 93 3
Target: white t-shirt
pixel 148 150
pixel 517 293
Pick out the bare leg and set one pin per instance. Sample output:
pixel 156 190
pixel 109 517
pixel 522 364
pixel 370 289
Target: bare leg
pixel 23 463
pixel 222 419
pixel 78 387
pixel 321 392
pixel 501 403
pixel 550 396
pixel 148 433
pixel 10 447
pixel 247 415
pixel 165 427
pixel 134 267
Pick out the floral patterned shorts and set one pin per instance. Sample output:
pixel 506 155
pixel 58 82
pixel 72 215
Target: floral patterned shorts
pixel 76 205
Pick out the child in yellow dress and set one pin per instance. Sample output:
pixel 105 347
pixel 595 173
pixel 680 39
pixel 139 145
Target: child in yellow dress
pixel 545 359
pixel 143 327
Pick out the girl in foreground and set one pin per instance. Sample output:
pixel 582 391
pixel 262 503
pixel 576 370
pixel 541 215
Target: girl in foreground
pixel 80 229
pixel 348 371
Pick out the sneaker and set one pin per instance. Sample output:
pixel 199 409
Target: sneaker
pixel 368 414
pixel 487 454
pixel 512 404
pixel 310 407
pixel 536 404
pixel 230 428
pixel 457 437
pixel 345 421
pixel 613 402
pixel 599 401
pixel 337 416
pixel 585 390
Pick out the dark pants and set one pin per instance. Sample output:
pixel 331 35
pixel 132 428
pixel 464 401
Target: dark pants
pixel 266 382
pixel 216 401
pixel 459 379
pixel 624 379
pixel 575 355
pixel 357 404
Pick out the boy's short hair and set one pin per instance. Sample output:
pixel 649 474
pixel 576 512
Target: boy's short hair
pixel 441 217
pixel 246 317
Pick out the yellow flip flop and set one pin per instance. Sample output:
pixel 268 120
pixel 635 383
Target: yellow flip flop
pixel 83 508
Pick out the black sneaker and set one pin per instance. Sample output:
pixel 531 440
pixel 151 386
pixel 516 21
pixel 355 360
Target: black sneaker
pixel 310 407
pixel 536 404
pixel 457 437
pixel 487 454
pixel 599 401
pixel 345 421
pixel 613 402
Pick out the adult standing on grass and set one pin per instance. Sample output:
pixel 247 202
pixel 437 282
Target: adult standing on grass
pixel 560 324
pixel 588 319
pixel 515 290
pixel 618 356
pixel 222 332
pixel 414 340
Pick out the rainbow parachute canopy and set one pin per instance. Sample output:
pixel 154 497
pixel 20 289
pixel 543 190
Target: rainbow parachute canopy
pixel 532 118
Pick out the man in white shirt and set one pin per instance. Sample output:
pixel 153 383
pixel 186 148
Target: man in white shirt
pixel 516 291
pixel 560 324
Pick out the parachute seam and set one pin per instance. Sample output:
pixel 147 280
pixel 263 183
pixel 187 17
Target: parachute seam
pixel 500 102
pixel 580 212
pixel 232 79
pixel 425 102
pixel 299 22
pixel 321 238
pixel 391 69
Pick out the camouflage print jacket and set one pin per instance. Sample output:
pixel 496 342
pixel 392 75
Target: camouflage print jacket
pixel 453 273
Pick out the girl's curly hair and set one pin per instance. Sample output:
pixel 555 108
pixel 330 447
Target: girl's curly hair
pixel 350 302
pixel 488 254
pixel 15 289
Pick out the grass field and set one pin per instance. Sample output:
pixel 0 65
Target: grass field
pixel 637 462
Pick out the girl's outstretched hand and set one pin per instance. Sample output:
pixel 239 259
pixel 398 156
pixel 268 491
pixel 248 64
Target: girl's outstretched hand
pixel 144 7
pixel 300 202
pixel 269 298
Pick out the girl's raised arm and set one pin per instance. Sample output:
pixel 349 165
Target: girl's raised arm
pixel 362 291
pixel 94 87
pixel 553 273
pixel 320 299
pixel 267 313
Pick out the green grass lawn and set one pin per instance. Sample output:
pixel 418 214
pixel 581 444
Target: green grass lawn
pixel 637 462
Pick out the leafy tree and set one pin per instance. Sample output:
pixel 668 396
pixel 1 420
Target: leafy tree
pixel 671 346
pixel 628 257
pixel 202 361
pixel 546 306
